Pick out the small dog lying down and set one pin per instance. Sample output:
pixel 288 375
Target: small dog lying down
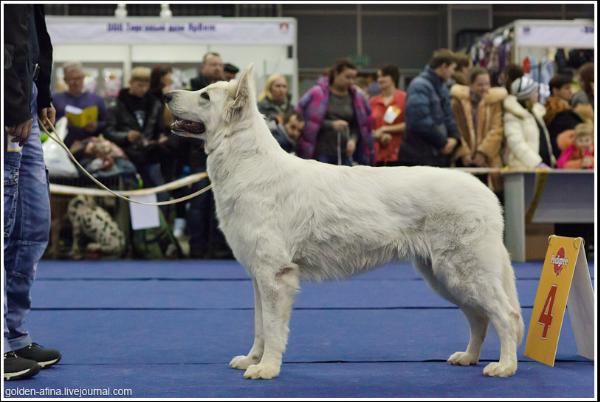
pixel 288 219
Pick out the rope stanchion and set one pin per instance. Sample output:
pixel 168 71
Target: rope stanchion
pixel 62 189
pixel 121 194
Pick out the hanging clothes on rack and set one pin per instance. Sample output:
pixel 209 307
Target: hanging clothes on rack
pixel 526 65
pixel 578 57
pixel 492 51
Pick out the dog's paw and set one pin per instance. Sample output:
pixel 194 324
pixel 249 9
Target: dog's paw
pixel 463 359
pixel 500 370
pixel 242 362
pixel 93 247
pixel 262 371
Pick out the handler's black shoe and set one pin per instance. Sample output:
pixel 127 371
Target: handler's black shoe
pixel 44 357
pixel 17 368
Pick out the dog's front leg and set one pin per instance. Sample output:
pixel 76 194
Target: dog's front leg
pixel 75 250
pixel 277 291
pixel 255 354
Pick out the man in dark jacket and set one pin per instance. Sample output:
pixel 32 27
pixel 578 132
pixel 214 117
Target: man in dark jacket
pixel 287 134
pixel 135 123
pixel 210 71
pixel 206 240
pixel 27 68
pixel 431 133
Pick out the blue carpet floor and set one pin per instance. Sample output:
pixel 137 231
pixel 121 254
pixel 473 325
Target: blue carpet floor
pixel 169 329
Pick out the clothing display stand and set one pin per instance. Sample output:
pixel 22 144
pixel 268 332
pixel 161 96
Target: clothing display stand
pixel 536 43
pixel 533 45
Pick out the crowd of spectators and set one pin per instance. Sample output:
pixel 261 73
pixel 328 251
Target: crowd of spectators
pixel 450 115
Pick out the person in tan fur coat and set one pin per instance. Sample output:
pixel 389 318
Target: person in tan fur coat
pixel 477 109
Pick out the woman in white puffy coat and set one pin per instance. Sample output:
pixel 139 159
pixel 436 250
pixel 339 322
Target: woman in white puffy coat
pixel 527 139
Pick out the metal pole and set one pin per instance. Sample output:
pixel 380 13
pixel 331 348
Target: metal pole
pixel 359 45
pixel 449 40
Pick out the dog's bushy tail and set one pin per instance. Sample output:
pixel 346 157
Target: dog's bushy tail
pixel 509 285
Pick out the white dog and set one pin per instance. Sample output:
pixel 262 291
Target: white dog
pixel 287 219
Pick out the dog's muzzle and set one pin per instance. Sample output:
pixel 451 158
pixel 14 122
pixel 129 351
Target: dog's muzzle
pixel 187 126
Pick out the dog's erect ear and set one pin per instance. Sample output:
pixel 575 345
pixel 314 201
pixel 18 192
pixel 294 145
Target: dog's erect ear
pixel 243 95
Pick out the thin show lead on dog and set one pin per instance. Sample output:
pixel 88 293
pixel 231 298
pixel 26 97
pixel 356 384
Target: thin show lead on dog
pixel 288 218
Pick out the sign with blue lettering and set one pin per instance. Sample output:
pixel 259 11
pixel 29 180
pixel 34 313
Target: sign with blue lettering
pixel 571 35
pixel 180 30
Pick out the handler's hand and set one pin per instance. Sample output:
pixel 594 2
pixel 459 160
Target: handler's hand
pixel 48 117
pixel 339 125
pixel 20 132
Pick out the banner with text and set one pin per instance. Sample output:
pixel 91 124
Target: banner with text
pixel 130 31
pixel 579 36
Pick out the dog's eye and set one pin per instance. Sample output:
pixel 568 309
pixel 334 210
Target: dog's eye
pixel 204 95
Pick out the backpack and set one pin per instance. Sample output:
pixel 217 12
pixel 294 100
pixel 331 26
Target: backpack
pixel 156 243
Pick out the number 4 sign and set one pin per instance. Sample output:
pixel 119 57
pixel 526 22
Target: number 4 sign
pixel 565 264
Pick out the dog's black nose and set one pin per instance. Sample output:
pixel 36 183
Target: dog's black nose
pixel 167 98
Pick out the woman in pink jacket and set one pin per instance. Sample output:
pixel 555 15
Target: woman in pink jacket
pixel 338 120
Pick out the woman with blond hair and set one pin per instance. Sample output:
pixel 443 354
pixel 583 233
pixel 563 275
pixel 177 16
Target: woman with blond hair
pixel 274 101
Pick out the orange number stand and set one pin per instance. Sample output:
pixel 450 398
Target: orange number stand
pixel 565 281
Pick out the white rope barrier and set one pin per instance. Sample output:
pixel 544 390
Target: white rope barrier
pixel 61 189
pixel 121 194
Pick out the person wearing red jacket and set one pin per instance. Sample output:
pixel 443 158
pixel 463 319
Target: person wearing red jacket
pixel 387 110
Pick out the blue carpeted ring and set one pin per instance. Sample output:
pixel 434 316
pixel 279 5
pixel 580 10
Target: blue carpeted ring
pixel 168 329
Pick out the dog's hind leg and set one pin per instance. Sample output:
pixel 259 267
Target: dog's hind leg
pixel 256 352
pixel 478 322
pixel 425 268
pixel 502 319
pixel 475 278
pixel 277 290
pixel 506 318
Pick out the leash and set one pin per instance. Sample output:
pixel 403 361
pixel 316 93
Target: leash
pixel 339 144
pixel 54 136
